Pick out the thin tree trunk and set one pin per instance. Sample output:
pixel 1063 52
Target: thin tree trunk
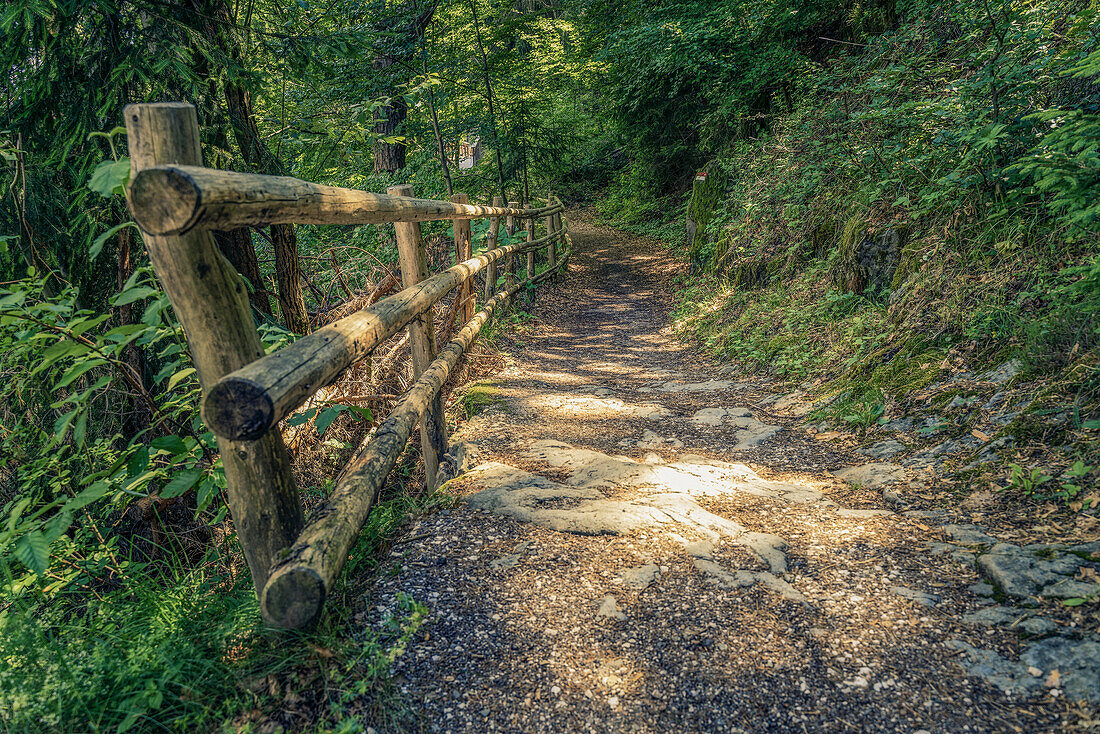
pixel 489 92
pixel 438 136
pixel 236 245
pixel 292 305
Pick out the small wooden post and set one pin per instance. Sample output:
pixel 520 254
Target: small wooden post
pixel 211 300
pixel 551 256
pixel 559 237
pixel 510 220
pixel 491 244
pixel 530 256
pixel 463 251
pixel 510 260
pixel 414 268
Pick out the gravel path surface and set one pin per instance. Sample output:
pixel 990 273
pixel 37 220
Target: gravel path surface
pixel 645 547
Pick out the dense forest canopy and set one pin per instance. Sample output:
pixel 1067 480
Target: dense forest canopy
pixel 968 131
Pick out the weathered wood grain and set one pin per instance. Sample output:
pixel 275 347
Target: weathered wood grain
pixel 490 244
pixel 463 250
pixel 211 301
pixel 172 199
pixel 414 269
pixel 530 258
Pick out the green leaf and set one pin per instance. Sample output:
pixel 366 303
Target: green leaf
pixel 80 429
pixel 1091 425
pixel 17 512
pixel 133 294
pixel 184 480
pixel 57 525
pixel 326 417
pixel 138 462
pixel 33 551
pixel 303 417
pixel 99 242
pixel 90 494
pixel 362 414
pixel 76 371
pixel 1076 602
pixel 110 178
pixel 207 490
pixel 61 425
pixel 180 376
pixel 62 349
pixel 172 444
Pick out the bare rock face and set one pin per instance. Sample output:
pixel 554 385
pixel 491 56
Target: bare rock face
pixel 1036 570
pixel 872 475
pixel 615 495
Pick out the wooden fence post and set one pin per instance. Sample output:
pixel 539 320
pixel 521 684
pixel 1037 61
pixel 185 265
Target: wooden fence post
pixel 491 244
pixel 211 300
pixel 463 251
pixel 510 260
pixel 551 253
pixel 530 255
pixel 414 268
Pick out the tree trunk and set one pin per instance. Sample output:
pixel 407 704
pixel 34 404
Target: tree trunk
pixel 288 270
pixel 399 32
pixel 489 92
pixel 389 122
pixel 218 24
pixel 259 157
pixel 236 245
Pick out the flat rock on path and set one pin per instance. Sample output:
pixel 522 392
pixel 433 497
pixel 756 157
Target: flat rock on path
pixel 598 579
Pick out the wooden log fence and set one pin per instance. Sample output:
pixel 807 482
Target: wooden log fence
pixel 177 202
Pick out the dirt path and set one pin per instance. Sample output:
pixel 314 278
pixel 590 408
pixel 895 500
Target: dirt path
pixel 645 546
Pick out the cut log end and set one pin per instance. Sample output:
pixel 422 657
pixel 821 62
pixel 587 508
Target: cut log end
pixel 165 201
pixel 293 597
pixel 238 409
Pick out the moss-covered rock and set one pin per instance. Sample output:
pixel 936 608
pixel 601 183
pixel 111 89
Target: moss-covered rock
pixel 706 195
pixel 867 262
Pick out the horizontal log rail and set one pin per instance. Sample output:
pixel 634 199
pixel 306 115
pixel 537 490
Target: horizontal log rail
pixel 170 200
pixel 298 584
pixel 245 404
pixel 176 202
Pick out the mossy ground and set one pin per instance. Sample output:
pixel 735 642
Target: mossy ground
pixel 479 396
